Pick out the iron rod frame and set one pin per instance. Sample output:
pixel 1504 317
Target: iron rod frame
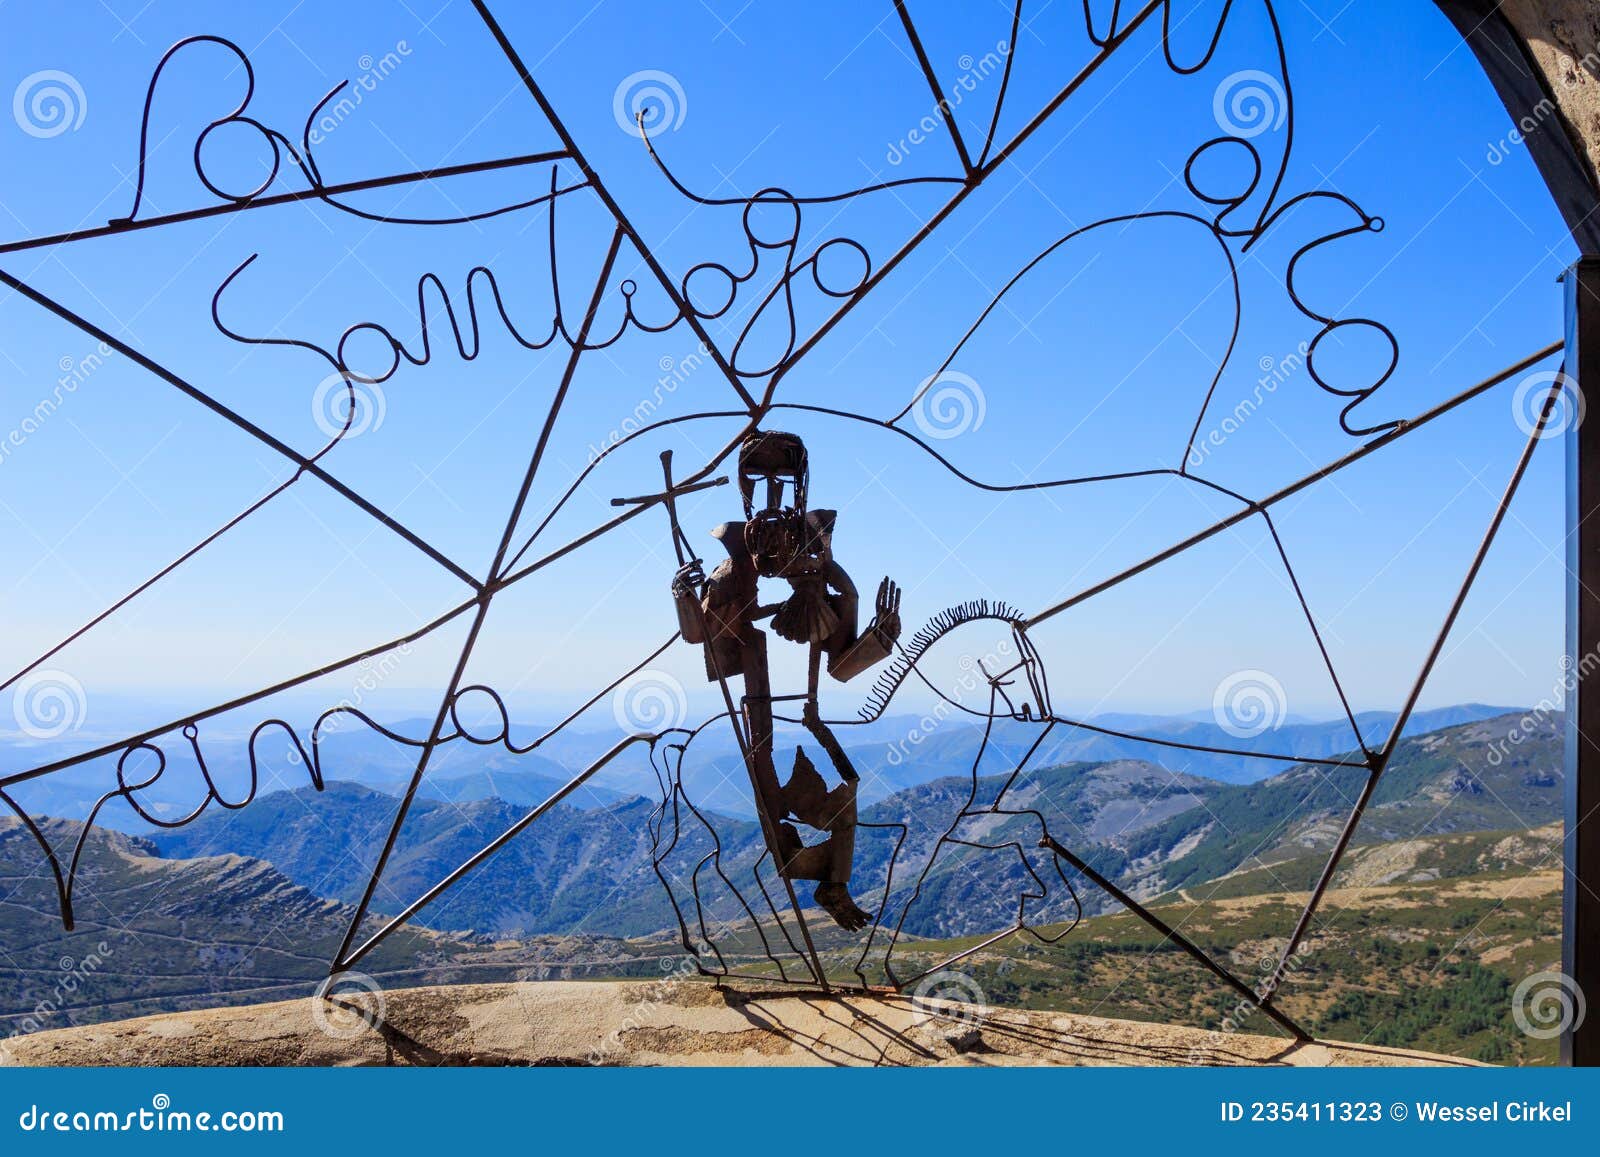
pixel 504 571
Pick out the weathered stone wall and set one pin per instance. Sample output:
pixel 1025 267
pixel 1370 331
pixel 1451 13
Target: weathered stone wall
pixel 1563 37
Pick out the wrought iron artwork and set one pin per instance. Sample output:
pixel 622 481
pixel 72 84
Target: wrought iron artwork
pixel 781 536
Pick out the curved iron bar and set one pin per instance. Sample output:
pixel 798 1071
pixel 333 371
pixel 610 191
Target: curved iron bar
pixel 669 778
pixel 948 837
pixel 469 344
pixel 63 891
pixel 1005 82
pixel 729 279
pixel 859 968
pixel 886 892
pixel 303 156
pixel 671 795
pixel 307 165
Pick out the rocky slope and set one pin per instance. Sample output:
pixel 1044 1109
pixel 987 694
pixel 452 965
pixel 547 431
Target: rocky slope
pixel 156 934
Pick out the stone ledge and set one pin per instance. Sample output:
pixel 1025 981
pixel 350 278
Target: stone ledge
pixel 665 1022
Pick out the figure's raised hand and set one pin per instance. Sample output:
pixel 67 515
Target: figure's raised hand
pixel 886 616
pixel 690 578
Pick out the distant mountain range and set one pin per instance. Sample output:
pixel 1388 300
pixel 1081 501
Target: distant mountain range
pixel 589 870
pixel 891 755
pixel 573 871
pixel 250 905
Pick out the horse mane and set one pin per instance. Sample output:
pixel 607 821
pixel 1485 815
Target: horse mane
pixel 896 673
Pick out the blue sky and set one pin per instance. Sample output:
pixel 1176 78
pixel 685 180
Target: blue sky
pixel 1095 362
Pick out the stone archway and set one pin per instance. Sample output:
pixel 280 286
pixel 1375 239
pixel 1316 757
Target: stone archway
pixel 1543 57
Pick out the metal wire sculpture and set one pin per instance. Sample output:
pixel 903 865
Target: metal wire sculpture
pixel 752 369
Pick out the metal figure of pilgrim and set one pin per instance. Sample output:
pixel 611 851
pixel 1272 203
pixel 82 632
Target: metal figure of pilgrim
pixel 781 539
